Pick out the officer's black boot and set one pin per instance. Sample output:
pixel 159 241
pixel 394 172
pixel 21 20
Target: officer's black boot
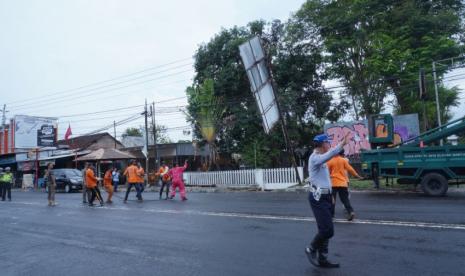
pixel 312 249
pixel 323 256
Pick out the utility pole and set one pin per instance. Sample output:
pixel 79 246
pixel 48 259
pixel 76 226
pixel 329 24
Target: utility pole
pixel 4 116
pixel 154 127
pixel 2 146
pixel 114 131
pixel 437 98
pixel 146 143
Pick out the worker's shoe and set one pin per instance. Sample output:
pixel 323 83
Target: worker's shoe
pixel 171 197
pixel 125 201
pixel 351 216
pixel 324 262
pixel 184 198
pixel 311 255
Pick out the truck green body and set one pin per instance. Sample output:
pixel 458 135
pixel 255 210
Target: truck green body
pixel 431 166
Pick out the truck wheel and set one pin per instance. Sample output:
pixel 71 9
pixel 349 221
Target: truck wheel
pixel 434 184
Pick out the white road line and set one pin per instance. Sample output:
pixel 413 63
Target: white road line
pixel 283 218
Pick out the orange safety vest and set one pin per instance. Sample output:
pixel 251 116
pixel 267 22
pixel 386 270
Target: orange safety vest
pixel 107 178
pixel 91 180
pixel 140 175
pixel 338 168
pixel 131 174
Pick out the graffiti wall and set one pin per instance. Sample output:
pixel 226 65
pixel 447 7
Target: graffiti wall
pixel 405 127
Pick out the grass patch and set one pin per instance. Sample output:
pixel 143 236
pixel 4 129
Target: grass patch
pixel 361 184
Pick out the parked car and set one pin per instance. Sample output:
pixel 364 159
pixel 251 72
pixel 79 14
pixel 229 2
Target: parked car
pixel 68 180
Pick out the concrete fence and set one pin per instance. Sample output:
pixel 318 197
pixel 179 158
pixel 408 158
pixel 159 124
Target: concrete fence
pixel 265 179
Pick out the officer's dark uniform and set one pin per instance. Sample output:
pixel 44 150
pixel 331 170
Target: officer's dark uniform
pixel 321 203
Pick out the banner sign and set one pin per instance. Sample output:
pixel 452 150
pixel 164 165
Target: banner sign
pixel 33 132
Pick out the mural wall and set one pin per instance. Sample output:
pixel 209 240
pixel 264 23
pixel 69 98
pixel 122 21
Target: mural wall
pixel 405 127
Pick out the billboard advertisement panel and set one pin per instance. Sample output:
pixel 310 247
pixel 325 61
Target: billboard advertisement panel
pixel 32 132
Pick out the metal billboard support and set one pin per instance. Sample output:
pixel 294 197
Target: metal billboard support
pixel 258 68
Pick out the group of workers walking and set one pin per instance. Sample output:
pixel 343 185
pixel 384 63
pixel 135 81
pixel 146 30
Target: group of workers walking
pixel 134 175
pixel 328 176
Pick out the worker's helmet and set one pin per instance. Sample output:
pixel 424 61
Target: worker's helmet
pixel 1 169
pixel 7 169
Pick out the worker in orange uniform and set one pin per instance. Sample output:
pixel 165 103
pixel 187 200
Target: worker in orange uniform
pixel 176 175
pixel 339 168
pixel 108 184
pixel 164 178
pixel 141 175
pixel 133 179
pixel 91 182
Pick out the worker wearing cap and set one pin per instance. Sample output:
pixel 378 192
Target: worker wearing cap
pixel 108 185
pixel 51 184
pixel 164 178
pixel 7 180
pixel 320 198
pixel 131 174
pixel 140 178
pixel 91 182
pixel 339 168
pixel 1 182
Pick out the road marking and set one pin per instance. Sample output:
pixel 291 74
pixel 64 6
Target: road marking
pixel 277 217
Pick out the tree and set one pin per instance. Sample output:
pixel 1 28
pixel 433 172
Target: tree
pixel 132 131
pixel 162 134
pixel 377 47
pixel 206 110
pixel 305 104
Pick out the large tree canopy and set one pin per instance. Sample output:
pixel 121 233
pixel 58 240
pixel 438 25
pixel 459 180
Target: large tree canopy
pixel 377 47
pixel 374 48
pixel 305 103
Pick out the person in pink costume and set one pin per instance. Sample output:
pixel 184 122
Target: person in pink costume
pixel 176 174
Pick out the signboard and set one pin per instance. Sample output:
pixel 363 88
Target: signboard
pixel 46 136
pixel 254 60
pixel 32 132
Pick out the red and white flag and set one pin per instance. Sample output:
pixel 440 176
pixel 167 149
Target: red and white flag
pixel 68 132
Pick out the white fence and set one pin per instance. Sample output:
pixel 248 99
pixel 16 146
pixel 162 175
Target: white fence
pixel 266 179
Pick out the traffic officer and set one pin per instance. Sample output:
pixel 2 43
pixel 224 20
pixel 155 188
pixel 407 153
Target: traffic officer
pixel 320 198
pixel 7 180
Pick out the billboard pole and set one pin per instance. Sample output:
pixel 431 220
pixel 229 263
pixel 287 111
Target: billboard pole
pixel 258 68
pixel 289 146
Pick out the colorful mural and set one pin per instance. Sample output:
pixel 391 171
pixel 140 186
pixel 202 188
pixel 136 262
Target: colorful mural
pixel 405 127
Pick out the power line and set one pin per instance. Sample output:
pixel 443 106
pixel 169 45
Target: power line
pixel 91 91
pixel 104 81
pixel 113 97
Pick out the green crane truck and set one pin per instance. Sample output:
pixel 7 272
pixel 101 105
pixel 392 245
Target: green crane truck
pixel 419 160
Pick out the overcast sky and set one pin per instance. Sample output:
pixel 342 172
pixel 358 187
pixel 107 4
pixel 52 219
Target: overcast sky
pixel 49 48
pixel 52 46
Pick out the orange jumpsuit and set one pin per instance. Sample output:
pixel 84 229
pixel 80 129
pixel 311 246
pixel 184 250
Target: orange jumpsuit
pixel 91 183
pixel 108 185
pixel 133 179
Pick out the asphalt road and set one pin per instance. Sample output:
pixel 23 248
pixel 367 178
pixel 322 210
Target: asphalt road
pixel 229 234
